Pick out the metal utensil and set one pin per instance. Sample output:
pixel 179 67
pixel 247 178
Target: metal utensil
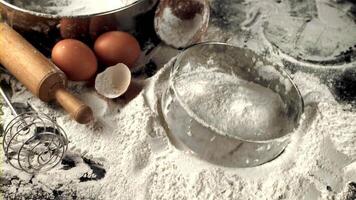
pixel 33 142
pixel 51 28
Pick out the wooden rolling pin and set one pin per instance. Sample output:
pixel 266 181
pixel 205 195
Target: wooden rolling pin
pixel 38 74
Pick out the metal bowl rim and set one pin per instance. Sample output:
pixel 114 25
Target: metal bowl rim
pixel 52 16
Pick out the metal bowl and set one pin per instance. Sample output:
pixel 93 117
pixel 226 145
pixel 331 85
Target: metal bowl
pixel 85 27
pixel 197 84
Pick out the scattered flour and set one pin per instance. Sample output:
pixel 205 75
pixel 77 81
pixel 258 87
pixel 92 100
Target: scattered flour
pixel 142 162
pixel 71 7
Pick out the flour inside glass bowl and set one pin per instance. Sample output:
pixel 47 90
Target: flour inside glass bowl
pixel 71 7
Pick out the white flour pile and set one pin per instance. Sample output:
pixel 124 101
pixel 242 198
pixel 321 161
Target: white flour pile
pixel 71 7
pixel 142 163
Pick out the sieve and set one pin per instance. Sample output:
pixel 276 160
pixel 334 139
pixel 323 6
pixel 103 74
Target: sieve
pixel 203 78
pixel 51 27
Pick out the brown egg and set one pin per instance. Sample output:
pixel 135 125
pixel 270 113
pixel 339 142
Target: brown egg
pixel 117 47
pixel 75 59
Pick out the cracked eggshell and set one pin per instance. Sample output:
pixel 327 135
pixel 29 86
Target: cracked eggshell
pixel 114 81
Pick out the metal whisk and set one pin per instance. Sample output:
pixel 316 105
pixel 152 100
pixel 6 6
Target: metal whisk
pixel 33 142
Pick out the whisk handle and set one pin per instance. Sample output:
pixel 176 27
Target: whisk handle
pixel 75 107
pixel 8 102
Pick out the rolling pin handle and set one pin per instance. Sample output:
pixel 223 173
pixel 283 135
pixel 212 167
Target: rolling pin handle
pixel 79 111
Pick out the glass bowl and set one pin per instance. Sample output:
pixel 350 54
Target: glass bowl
pixel 230 106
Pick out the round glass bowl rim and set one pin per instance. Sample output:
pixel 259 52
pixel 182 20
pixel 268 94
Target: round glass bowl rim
pixel 187 109
pixel 54 16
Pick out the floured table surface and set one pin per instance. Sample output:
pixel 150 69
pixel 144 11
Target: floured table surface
pixel 126 153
